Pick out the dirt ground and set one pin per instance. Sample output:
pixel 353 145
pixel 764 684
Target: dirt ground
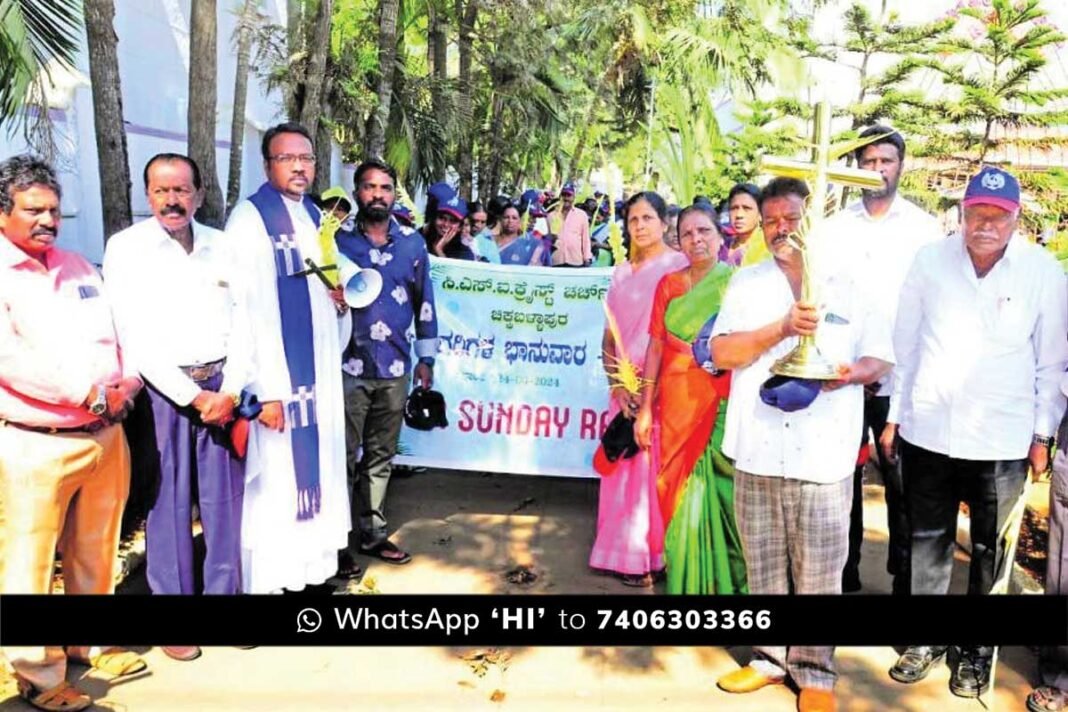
pixel 467 531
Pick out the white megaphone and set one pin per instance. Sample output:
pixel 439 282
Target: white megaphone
pixel 362 286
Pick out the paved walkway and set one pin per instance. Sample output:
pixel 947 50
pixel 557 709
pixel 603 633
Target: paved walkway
pixel 467 531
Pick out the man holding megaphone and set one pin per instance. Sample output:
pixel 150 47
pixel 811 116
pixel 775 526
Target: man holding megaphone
pixel 391 291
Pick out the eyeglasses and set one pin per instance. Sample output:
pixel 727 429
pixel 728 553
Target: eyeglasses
pixel 287 159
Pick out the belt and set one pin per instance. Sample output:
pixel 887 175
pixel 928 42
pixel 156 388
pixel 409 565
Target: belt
pixel 205 371
pixel 93 427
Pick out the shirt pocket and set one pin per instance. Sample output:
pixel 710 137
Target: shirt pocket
pixel 1012 325
pixel 92 316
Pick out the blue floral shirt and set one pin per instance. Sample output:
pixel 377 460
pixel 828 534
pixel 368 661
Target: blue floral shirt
pixel 382 335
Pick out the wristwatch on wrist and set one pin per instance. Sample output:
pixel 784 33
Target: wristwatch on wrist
pixel 99 406
pixel 1045 440
pixel 428 360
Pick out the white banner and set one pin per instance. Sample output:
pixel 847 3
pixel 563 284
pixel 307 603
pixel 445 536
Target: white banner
pixel 519 364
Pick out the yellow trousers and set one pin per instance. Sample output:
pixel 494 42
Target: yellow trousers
pixel 65 491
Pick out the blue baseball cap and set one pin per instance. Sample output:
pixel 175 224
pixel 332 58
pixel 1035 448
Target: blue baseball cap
pixel 789 394
pixel 993 186
pixel 403 214
pixel 440 191
pixel 455 206
pixel 568 189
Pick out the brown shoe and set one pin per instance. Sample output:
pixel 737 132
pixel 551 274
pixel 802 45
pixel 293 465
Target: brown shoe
pixel 747 679
pixel 184 653
pixel 813 699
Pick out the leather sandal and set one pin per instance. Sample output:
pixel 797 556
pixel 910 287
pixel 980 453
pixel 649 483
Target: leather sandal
pixel 64 697
pixel 389 552
pixel 347 568
pixel 916 662
pixel 637 580
pixel 1047 698
pixel 184 653
pixel 118 663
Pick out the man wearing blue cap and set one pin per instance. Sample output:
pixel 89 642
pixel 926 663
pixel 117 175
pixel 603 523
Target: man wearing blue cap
pixel 794 444
pixel 980 339
pixel 573 247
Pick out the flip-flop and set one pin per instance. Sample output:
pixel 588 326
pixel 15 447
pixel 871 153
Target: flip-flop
pixel 64 697
pixel 379 551
pixel 347 568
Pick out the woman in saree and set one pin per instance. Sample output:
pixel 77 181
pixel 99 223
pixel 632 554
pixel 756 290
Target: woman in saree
pixel 630 532
pixel 686 405
pixel 747 246
pixel 514 246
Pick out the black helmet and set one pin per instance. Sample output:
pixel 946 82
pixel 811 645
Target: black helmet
pixel 425 409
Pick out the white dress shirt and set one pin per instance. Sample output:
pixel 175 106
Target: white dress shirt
pixel 817 443
pixel 980 360
pixel 175 309
pixel 879 251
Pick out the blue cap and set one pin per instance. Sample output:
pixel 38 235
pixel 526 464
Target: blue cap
pixel 455 206
pixel 568 189
pixel 403 214
pixel 440 191
pixel 993 186
pixel 790 394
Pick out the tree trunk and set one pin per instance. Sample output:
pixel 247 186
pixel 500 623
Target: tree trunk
pixel 324 155
pixel 464 161
pixel 387 52
pixel 294 46
pixel 203 102
pixel 496 148
pixel 312 108
pixel 584 133
pixel 324 147
pixel 111 151
pixel 237 122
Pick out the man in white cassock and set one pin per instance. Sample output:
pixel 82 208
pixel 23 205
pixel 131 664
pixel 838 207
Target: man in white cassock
pixel 296 512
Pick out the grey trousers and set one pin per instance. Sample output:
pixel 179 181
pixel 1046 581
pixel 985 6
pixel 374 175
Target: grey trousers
pixel 796 531
pixel 1053 664
pixel 374 412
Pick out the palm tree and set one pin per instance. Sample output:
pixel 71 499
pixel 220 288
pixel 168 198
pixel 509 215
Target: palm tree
pixel 243 33
pixel 203 100
pixel 387 53
pixel 32 35
pixel 112 156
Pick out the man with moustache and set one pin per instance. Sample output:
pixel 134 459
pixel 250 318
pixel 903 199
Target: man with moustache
pixel 184 325
pixel 65 385
pixel 573 248
pixel 378 360
pixel 878 236
pixel 793 466
pixel 295 516
pixel 980 339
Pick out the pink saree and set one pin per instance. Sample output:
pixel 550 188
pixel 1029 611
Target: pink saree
pixel 630 530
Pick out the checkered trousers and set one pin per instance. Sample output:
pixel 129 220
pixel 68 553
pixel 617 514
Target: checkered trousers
pixel 798 531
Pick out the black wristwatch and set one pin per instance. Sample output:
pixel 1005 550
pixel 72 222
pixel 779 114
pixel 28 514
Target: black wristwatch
pixel 1046 440
pixel 428 360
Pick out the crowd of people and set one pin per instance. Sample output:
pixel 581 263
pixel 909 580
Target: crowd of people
pixel 276 407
